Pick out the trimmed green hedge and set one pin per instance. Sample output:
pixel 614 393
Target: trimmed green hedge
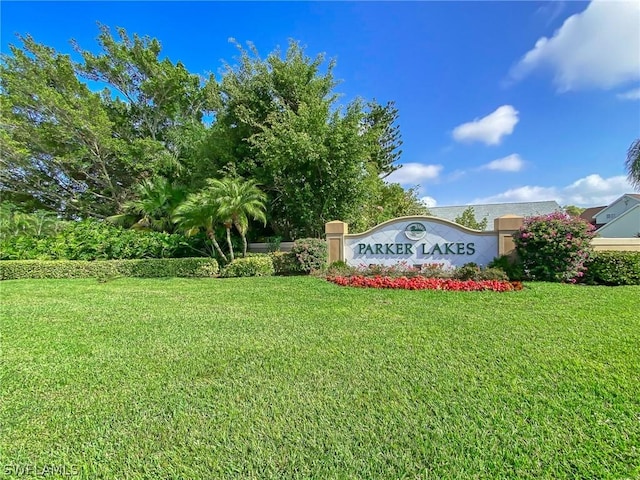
pixel 147 268
pixel 285 263
pixel 253 266
pixel 614 268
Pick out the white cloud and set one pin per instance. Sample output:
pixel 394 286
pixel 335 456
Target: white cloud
pixel 429 201
pixel 510 163
pixel 489 129
pixel 413 173
pixel 592 190
pixel 630 95
pixel 599 47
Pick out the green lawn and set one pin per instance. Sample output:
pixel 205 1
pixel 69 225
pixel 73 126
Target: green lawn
pixel 299 378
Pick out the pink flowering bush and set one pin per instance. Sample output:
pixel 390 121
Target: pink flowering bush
pixel 554 247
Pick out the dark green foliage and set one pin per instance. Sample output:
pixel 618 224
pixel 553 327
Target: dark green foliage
pixel 493 274
pixel 94 240
pixel 614 268
pixel 511 265
pixel 253 266
pixel 286 263
pixel 279 122
pixel 468 271
pixel 554 247
pixel 340 268
pixel 471 271
pixel 146 268
pixel 311 254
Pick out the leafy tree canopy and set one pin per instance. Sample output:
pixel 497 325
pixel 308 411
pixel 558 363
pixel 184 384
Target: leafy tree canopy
pixel 122 152
pixel 468 219
pixel 573 210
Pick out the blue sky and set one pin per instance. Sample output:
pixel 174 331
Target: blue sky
pixel 498 101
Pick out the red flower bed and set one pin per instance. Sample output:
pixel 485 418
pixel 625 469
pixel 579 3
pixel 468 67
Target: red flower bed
pixel 423 283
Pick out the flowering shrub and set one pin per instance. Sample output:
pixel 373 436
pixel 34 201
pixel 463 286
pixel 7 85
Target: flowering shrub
pixel 311 253
pixel 423 283
pixel 554 247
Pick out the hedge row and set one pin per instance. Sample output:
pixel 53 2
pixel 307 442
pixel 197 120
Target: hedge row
pixel 614 268
pixel 253 266
pixel 146 268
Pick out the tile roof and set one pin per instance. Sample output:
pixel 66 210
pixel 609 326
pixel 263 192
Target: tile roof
pixel 494 210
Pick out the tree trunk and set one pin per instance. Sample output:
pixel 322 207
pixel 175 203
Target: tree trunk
pixel 212 236
pixel 244 245
pixel 228 228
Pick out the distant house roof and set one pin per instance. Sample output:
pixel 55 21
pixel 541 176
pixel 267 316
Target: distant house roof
pixel 492 211
pixel 589 213
pixel 634 196
pixel 627 225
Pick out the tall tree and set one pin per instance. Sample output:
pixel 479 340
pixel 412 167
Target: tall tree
pixel 81 153
pixel 381 126
pixel 55 142
pixel 468 219
pixel 278 122
pixel 238 202
pixel 633 163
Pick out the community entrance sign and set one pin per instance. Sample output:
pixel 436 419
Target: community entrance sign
pixel 414 240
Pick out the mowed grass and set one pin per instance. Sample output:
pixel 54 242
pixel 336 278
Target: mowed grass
pixel 300 378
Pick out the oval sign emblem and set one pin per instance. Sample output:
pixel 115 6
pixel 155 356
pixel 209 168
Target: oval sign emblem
pixel 415 231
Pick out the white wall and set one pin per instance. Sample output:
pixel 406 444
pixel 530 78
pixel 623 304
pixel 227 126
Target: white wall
pixel 438 231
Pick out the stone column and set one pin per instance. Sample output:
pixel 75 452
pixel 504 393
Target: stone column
pixel 335 232
pixel 505 227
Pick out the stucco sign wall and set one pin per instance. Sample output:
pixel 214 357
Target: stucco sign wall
pixel 418 241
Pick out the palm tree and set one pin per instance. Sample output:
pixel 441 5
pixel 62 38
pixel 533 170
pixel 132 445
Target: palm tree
pixel 633 163
pixel 154 207
pixel 199 211
pixel 238 202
